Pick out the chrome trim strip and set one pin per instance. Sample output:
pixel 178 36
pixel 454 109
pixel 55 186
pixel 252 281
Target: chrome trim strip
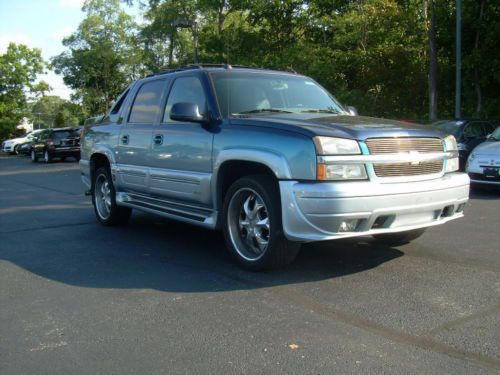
pixel 386 158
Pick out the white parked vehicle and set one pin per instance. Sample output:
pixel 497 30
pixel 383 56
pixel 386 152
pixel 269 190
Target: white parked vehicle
pixel 10 145
pixel 483 165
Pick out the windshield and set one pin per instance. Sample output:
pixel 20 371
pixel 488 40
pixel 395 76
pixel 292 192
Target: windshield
pixel 449 127
pixel 249 92
pixel 495 136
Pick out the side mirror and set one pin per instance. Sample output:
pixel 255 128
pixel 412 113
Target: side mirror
pixel 352 110
pixel 187 112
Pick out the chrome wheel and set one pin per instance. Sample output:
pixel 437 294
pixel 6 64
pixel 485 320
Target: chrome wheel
pixel 248 224
pixel 46 156
pixel 102 193
pixel 33 155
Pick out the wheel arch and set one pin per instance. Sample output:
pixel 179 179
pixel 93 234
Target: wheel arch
pixel 235 164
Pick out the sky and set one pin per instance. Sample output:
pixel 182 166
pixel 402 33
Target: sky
pixel 42 24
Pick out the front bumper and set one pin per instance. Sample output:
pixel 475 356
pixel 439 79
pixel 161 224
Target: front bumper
pixel 475 169
pixel 315 211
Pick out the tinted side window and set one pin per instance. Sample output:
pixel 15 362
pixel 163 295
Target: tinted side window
pixel 473 130
pixel 186 90
pixel 488 128
pixel 119 103
pixel 147 102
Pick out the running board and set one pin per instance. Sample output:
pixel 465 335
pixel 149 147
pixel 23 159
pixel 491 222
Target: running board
pixel 186 212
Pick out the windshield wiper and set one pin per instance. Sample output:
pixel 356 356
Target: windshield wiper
pixel 263 110
pixel 319 110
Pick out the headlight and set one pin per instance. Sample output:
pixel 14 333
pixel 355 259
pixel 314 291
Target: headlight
pixel 472 157
pixel 336 172
pixel 336 146
pixel 450 143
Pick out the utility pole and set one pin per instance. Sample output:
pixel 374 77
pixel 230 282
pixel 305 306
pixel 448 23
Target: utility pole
pixel 183 23
pixel 458 62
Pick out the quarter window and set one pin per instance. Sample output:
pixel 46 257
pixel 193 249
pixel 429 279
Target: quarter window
pixel 147 102
pixel 186 90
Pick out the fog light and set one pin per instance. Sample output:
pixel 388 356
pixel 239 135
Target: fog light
pixel 348 225
pixel 460 207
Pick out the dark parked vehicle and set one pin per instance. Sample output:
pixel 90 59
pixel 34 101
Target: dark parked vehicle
pixel 56 143
pixel 469 134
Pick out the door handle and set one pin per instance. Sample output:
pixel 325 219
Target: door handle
pixel 125 139
pixel 158 140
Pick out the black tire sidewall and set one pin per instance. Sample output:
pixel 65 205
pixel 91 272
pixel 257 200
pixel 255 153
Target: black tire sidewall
pixel 117 215
pixel 268 191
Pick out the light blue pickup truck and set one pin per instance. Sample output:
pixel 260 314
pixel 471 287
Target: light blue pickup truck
pixel 269 157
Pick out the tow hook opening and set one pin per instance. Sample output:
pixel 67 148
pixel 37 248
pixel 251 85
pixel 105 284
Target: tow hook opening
pixel 448 211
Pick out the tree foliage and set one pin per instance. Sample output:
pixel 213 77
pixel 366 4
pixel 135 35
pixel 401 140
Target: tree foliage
pixel 373 54
pixel 102 56
pixel 19 67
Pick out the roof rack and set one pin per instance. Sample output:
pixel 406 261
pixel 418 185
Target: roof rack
pixel 208 65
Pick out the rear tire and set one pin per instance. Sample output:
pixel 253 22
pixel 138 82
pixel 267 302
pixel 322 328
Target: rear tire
pixel 253 227
pixel 34 157
pixel 401 238
pixel 46 157
pixel 108 213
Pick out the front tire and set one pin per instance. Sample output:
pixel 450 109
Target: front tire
pixel 401 238
pixel 104 200
pixel 252 225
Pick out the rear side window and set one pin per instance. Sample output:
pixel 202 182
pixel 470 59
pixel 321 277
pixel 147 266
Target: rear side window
pixel 147 102
pixel 186 90
pixel 116 108
pixel 58 135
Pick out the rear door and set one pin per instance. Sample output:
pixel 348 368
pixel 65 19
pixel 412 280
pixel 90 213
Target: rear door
pixel 134 141
pixel 181 152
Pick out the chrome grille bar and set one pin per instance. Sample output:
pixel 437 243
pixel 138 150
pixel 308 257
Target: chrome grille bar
pixel 415 148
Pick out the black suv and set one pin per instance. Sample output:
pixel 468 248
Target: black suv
pixel 56 143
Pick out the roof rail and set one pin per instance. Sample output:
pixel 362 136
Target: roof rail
pixel 208 65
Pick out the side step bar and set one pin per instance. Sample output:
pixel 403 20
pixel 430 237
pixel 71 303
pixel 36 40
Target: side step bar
pixel 190 213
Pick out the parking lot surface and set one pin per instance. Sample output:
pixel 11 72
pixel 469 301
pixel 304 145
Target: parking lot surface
pixel 158 296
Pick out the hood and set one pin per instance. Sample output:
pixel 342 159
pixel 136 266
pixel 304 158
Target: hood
pixel 13 140
pixel 488 148
pixel 351 127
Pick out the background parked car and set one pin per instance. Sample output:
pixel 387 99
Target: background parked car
pixel 483 165
pixel 10 145
pixel 469 134
pixel 23 148
pixel 56 143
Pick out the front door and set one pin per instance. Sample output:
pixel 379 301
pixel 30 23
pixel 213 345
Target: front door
pixel 134 141
pixel 181 152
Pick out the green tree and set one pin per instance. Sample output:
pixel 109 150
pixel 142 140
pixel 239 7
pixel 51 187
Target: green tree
pixel 102 56
pixel 19 67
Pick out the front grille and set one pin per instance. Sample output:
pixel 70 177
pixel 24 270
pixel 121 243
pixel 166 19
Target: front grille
pixel 407 169
pixel 378 146
pixel 398 145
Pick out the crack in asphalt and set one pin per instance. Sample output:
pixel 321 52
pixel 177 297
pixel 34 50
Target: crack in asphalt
pixel 422 342
pixel 493 310
pixel 45 187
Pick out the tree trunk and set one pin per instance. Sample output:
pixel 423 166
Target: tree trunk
pixel 432 64
pixel 477 80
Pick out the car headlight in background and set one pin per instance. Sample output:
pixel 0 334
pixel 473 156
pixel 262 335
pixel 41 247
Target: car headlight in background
pixel 472 156
pixel 336 146
pixel 450 144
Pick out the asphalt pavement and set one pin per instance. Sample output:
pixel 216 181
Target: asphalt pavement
pixel 159 296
